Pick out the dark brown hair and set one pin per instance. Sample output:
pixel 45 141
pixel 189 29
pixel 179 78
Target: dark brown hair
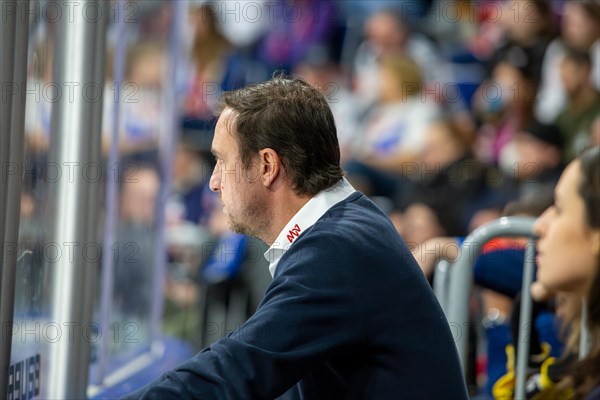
pixel 586 373
pixel 590 186
pixel 545 14
pixel 591 7
pixel 294 119
pixel 577 56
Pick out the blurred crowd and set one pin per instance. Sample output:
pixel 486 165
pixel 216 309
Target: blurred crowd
pixel 450 114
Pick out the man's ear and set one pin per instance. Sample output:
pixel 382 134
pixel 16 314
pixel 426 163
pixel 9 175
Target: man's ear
pixel 270 166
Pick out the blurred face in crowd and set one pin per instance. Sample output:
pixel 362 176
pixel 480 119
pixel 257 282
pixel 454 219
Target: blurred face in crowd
pixel 322 78
pixel 188 167
pixel 148 69
pixel 574 76
pixel 138 197
pixel 534 155
pixel 419 224
pixel 522 20
pixel 385 33
pixel 567 246
pixel 239 188
pixel 580 30
pixel 441 148
pixel 513 88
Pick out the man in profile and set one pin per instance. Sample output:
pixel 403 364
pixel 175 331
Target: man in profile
pixel 349 314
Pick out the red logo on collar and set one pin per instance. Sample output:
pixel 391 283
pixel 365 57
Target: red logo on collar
pixel 293 233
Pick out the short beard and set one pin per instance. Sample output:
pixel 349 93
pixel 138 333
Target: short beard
pixel 254 222
pixel 242 229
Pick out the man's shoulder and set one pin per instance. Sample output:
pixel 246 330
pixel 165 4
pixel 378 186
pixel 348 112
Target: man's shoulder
pixel 353 227
pixel 357 212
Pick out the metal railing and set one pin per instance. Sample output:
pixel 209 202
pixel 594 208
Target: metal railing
pixel 75 138
pixel 441 283
pixel 453 282
pixel 461 280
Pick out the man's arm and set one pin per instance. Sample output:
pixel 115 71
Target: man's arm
pixel 308 316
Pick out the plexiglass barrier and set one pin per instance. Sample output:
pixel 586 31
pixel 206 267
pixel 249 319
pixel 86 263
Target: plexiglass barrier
pixel 101 111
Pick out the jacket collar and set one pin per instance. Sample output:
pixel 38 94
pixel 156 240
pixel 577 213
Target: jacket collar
pixel 306 217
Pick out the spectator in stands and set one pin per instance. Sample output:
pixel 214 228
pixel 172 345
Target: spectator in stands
pixel 386 34
pixel 39 100
pixel 487 267
pixel 133 250
pixel 190 175
pixel 454 25
pixel 359 11
pixel 490 32
pixel 505 105
pixel 550 359
pixel 498 271
pixel 294 27
pixel 216 66
pixel 210 51
pixel 569 235
pixel 348 313
pixel 583 102
pixel 139 101
pixel 420 222
pixel 138 196
pixel 395 130
pixel 539 163
pixel 500 266
pixel 449 178
pixel 186 239
pixel 320 70
pixel 154 20
pixel 529 27
pixel 580 31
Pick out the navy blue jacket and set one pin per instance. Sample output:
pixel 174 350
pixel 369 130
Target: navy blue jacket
pixel 349 315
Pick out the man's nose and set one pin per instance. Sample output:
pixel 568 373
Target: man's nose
pixel 215 182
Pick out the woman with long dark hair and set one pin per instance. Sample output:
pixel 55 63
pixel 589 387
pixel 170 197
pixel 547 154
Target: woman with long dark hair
pixel 569 255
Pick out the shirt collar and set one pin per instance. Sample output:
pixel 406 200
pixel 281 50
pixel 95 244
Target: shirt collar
pixel 305 218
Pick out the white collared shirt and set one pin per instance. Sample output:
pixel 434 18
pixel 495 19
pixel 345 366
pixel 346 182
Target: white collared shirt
pixel 305 218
